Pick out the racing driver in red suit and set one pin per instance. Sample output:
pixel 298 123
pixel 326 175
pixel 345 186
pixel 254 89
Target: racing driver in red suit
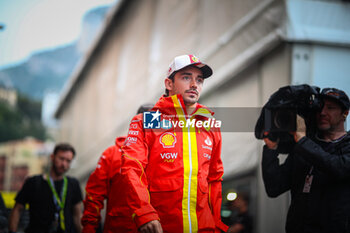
pixel 171 163
pixel 103 184
pixel 100 187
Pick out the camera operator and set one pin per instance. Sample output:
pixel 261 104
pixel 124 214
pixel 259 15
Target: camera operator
pixel 316 171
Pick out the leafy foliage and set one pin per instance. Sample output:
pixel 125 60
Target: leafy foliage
pixel 21 121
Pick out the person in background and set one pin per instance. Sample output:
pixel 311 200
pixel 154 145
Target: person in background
pixel 55 200
pixel 316 172
pixel 103 184
pixel 240 221
pixel 3 215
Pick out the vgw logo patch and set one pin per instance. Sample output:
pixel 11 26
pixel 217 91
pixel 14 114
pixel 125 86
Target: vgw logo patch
pixel 151 120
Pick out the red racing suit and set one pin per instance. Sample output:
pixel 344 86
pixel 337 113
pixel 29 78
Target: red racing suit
pixel 103 184
pixel 173 173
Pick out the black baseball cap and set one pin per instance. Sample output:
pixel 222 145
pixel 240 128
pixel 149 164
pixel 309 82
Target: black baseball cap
pixel 337 95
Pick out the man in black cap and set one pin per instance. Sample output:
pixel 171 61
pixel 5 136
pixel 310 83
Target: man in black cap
pixel 317 171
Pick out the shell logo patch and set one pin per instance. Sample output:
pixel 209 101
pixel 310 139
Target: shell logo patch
pixel 168 140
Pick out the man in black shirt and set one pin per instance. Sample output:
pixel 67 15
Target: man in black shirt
pixel 55 200
pixel 317 171
pixel 3 215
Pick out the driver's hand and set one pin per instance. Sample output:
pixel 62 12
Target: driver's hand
pixel 151 227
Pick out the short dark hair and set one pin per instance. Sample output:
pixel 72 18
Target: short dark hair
pixel 171 77
pixel 64 147
pixel 144 108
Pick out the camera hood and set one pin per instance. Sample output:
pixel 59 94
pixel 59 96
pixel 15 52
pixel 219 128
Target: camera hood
pixel 301 99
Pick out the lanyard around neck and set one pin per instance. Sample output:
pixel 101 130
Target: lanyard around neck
pixel 60 202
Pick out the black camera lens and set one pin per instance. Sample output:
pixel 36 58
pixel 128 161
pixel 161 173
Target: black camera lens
pixel 284 119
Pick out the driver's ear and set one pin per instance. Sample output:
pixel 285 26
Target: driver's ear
pixel 169 84
pixel 345 114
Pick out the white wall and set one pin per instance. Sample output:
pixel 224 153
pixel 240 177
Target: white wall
pixel 323 66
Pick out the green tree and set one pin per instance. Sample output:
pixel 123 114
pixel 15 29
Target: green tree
pixel 28 107
pixel 21 121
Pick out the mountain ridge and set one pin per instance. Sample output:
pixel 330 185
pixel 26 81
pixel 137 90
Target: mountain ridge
pixel 49 70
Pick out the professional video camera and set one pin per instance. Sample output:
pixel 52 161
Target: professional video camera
pixel 278 115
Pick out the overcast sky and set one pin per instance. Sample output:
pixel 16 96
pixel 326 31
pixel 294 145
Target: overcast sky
pixel 33 25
